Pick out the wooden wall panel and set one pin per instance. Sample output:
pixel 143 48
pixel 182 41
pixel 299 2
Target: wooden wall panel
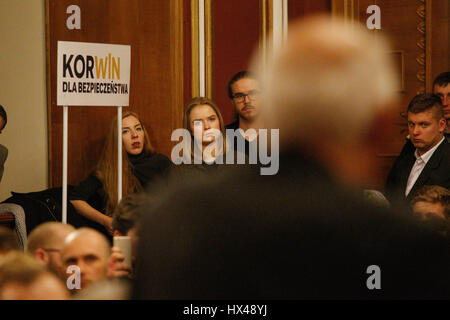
pixel 298 9
pixel 235 36
pixel 187 53
pixel 148 26
pixel 440 37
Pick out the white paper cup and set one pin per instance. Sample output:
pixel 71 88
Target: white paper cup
pixel 124 244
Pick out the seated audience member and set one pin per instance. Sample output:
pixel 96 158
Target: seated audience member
pixel 22 278
pixel 205 147
pixel 8 241
pixel 431 201
pixel 45 243
pixel 304 232
pixel 91 252
pixel 140 165
pixel 429 162
pixel 244 92
pixel 3 149
pixel 126 219
pixel 441 87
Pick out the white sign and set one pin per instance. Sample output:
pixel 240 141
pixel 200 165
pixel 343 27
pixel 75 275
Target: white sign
pixel 93 74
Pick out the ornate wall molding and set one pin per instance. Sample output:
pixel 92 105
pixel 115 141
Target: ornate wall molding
pixel 423 58
pixel 420 58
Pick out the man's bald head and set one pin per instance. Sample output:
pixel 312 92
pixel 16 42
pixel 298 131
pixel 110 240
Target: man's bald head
pixel 88 235
pixel 48 235
pixel 45 243
pixel 89 250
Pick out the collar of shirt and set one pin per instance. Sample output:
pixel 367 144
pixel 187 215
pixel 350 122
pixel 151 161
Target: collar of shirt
pixel 427 155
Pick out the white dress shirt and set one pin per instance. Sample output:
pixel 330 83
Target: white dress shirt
pixel 418 166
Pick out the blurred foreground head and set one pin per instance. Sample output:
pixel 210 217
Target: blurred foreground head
pixel 326 87
pixel 22 278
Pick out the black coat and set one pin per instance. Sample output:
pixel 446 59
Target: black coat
pixel 298 234
pixel 435 172
pixel 46 205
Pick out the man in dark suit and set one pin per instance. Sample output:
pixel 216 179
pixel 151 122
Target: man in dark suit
pixel 428 163
pixel 304 232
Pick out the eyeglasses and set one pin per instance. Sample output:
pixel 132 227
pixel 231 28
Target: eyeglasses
pixel 240 97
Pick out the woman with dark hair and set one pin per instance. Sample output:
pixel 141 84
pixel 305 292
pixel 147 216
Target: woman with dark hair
pixel 96 197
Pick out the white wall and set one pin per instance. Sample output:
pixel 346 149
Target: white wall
pixel 23 95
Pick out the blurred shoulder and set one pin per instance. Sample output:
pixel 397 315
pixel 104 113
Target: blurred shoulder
pixel 3 152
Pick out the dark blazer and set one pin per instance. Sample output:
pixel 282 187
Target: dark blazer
pixel 436 172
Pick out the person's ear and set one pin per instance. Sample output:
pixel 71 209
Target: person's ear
pixel 442 125
pixel 41 256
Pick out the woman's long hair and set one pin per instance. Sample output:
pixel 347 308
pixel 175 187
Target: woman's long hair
pixel 197 101
pixel 106 169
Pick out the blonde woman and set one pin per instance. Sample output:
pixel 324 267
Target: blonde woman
pixel 202 118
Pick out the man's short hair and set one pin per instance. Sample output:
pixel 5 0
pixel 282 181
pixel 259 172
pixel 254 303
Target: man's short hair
pixel 238 76
pixel 20 268
pixel 434 194
pixel 3 115
pixel 45 235
pixel 424 102
pixel 127 213
pixel 442 79
pixel 8 240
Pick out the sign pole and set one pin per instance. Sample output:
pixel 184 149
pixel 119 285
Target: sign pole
pixel 65 142
pixel 119 153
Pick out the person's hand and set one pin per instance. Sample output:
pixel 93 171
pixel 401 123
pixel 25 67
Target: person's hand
pixel 116 266
pixel 107 223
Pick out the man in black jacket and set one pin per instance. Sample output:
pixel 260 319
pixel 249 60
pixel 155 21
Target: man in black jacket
pixel 428 163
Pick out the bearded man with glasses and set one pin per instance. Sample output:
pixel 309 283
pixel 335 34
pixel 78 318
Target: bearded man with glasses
pixel 243 90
